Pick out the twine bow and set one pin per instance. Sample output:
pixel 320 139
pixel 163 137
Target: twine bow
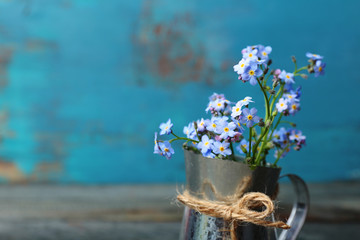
pixel 232 210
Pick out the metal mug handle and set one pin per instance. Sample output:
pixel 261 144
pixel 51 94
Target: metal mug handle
pixel 299 209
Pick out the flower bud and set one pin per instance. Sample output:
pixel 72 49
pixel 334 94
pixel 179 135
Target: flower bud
pixel 275 83
pixel 275 113
pixel 261 78
pixel 266 71
pixel 272 72
pixel 268 123
pixel 270 145
pixel 277 72
pixel 293 59
pixel 269 62
pixel 261 122
pixel 248 159
pixel 304 76
pixel 272 91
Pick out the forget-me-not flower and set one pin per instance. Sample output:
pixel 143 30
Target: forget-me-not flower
pixel 313 56
pixel 249 117
pixel 166 127
pixel 319 68
pixel 244 144
pixel 222 148
pixel 166 149
pixel 206 144
pixel 282 105
pixel 251 73
pixel 287 77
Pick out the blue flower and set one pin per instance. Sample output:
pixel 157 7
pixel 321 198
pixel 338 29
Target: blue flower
pixel 166 149
pixel 249 117
pixel 296 135
pixel 201 125
pixel 282 105
pixel 244 144
pixel 294 107
pixel 189 131
pixel 240 67
pixel 226 130
pixel 215 122
pixel 236 110
pixel 313 56
pixel 251 55
pixel 251 73
pixel 246 101
pixel 287 77
pixel 319 68
pixel 206 144
pixel 264 52
pixel 222 148
pixel 281 137
pixel 166 127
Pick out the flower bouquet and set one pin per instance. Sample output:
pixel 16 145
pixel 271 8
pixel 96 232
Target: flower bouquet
pixel 235 129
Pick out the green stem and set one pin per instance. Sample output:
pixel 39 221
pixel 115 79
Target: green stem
pixel 250 136
pixel 281 153
pixel 182 138
pixel 232 151
pixel 277 124
pixel 300 69
pixel 257 160
pixel 266 100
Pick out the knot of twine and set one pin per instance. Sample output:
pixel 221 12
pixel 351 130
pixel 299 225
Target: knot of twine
pixel 241 210
pixel 237 207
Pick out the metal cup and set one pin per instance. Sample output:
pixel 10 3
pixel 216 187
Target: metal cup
pixel 206 175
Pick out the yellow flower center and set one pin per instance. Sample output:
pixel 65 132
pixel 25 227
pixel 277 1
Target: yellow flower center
pixel 290 97
pixel 315 55
pixel 244 145
pixel 297 136
pixel 219 104
pixel 166 149
pixel 237 109
pixel 281 104
pixel 249 117
pixel 251 72
pixel 206 143
pixel 242 65
pixel 166 128
pixel 264 53
pixel 250 54
pixel 202 123
pixel 287 76
pixel 293 106
pixel 226 129
pixel 320 69
pixel 238 124
pixel 213 125
pixel 222 149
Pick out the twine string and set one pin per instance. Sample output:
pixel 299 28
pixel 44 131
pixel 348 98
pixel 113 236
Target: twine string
pixel 238 207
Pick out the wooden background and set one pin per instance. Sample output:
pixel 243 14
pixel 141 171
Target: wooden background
pixel 84 84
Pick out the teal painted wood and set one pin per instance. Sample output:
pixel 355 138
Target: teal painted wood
pixel 85 83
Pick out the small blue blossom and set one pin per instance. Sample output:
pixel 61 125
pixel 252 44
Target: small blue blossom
pixel 244 144
pixel 189 131
pixel 215 124
pixel 246 101
pixel 206 144
pixel 251 73
pixel 294 107
pixel 236 110
pixel 222 148
pixel 296 135
pixel 313 56
pixel 240 67
pixel 239 128
pixel 287 77
pixel 319 68
pixel 281 137
pixel 227 130
pixel 282 105
pixel 264 52
pixel 249 117
pixel 291 97
pixel 218 105
pixel 251 55
pixel 201 126
pixel 166 127
pixel 166 149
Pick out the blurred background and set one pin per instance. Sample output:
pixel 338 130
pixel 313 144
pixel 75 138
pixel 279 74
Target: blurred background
pixel 84 84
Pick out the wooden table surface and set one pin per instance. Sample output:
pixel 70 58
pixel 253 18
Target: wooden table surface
pixel 149 211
